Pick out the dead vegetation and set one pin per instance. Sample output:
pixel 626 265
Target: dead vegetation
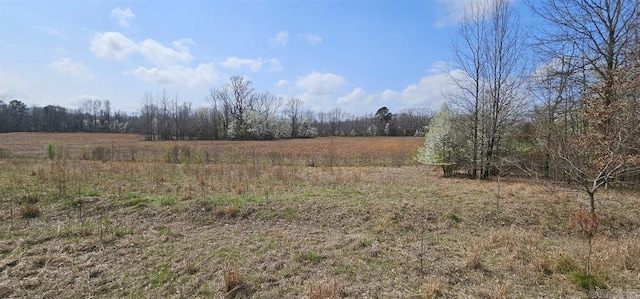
pixel 255 220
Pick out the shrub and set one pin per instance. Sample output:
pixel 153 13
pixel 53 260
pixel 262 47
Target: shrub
pixel 51 151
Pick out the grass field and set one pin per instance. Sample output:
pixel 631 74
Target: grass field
pixel 106 215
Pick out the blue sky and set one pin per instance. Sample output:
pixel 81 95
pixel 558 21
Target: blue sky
pixel 355 55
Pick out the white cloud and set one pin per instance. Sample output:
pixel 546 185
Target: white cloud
pixel 426 93
pixel 68 67
pixel 319 90
pixel 253 64
pixel 358 96
pixel 123 16
pixel 14 87
pixel 163 56
pixel 321 83
pixel 313 39
pixel 282 83
pixel 238 63
pixel 112 45
pixel 280 39
pixel 177 75
pixel 454 10
pixel 51 31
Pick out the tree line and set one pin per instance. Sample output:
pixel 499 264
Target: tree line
pixel 235 111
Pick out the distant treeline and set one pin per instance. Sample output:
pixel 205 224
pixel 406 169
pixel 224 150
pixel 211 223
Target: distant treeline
pixel 164 118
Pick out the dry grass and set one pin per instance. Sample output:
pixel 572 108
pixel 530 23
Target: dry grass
pixel 132 225
pixel 232 278
pixel 323 289
pixel 431 288
pixel 29 211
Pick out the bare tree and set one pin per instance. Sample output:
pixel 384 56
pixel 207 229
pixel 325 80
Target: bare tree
pixel 598 38
pixel 148 114
pixel 602 32
pixel 292 113
pixel 491 57
pixel 469 59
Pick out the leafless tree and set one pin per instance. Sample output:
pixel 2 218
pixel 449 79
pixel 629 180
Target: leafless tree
pixel 292 113
pixel 602 33
pixel 490 56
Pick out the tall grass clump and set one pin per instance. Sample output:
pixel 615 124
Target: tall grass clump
pixel 177 154
pixel 100 153
pixel 323 289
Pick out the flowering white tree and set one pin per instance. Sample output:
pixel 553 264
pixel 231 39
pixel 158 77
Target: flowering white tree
pixel 443 144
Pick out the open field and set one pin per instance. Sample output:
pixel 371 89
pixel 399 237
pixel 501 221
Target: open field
pixel 112 216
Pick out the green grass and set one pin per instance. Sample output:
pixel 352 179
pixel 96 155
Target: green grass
pixel 588 282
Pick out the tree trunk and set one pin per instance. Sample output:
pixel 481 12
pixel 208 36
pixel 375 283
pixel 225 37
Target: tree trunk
pixel 592 202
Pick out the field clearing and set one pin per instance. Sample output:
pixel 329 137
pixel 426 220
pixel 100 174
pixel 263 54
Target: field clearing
pixel 113 216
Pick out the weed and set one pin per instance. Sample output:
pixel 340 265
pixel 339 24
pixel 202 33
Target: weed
pixel 588 224
pixel 565 265
pixel 30 210
pixel 30 198
pixel 364 243
pixel 309 256
pixel 89 193
pixel 51 151
pixel 323 289
pixel 502 290
pixel 473 259
pixel 588 281
pixel 232 278
pixel 452 216
pixel 161 275
pixel 164 230
pixel 431 288
pixel 167 201
pixel 228 211
pixel 190 267
pixel 119 231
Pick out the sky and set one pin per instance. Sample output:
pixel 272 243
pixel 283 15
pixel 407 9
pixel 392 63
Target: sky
pixel 356 55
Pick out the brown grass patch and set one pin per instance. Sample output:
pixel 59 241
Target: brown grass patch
pixel 233 280
pixel 30 210
pixel 323 289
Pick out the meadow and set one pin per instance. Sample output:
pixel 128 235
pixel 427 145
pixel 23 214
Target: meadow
pixel 111 216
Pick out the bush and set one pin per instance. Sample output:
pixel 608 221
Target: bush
pixel 51 151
